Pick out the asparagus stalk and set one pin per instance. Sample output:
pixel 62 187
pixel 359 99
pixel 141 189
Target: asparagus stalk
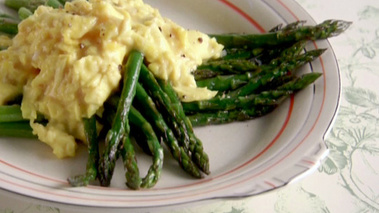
pixel 154 146
pixel 170 105
pixel 255 83
pixel 120 129
pixel 54 3
pixel 241 53
pixel 195 146
pixel 31 5
pixel 10 113
pixel 230 65
pixel 231 103
pixel 8 28
pixel 150 111
pixel 150 83
pixel 323 30
pixel 17 129
pixel 224 116
pixel 225 82
pixel 147 107
pixel 143 129
pixel 247 113
pixel 126 150
pixel 287 57
pixel 24 13
pixel 93 154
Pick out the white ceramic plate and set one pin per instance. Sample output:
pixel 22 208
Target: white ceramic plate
pixel 246 158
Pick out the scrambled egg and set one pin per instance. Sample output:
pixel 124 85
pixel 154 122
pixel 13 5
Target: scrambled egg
pixel 66 62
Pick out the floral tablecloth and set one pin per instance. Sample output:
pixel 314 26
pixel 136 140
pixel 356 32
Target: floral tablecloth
pixel 348 178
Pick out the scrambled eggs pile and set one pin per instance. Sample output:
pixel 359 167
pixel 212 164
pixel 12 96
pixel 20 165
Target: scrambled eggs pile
pixel 66 62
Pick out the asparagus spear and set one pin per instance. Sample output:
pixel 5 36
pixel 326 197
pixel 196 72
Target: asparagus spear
pixel 150 111
pixel 93 154
pixel 175 118
pixel 323 30
pixel 150 83
pixel 231 103
pixel 126 150
pixel 274 56
pixel 230 65
pixel 10 113
pixel 224 116
pixel 31 5
pixel 226 82
pixel 195 146
pixel 54 3
pixel 261 80
pixel 227 116
pixel 287 56
pixel 24 13
pixel 120 129
pixel 241 53
pixel 17 129
pixel 300 83
pixel 8 28
pixel 155 148
pixel 147 107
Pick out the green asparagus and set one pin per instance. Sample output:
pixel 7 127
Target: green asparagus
pixel 285 69
pixel 223 117
pixel 93 154
pixel 324 30
pixel 10 113
pixel 17 129
pixel 274 98
pixel 120 127
pixel 195 146
pixel 150 111
pixel 8 28
pixel 155 148
pixel 232 103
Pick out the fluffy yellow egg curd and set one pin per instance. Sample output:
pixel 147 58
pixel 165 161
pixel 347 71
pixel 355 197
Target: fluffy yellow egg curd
pixel 66 62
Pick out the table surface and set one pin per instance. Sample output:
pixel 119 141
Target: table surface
pixel 347 180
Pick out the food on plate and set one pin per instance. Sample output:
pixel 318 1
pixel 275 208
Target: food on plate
pixel 116 70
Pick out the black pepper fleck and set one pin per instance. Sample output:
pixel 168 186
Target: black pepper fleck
pixel 160 29
pixel 200 39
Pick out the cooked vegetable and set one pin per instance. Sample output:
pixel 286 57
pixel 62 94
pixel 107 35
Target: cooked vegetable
pixel 224 116
pixel 175 118
pixel 265 103
pixel 10 113
pixel 265 78
pixel 194 145
pixel 150 111
pixel 93 154
pixel 16 129
pixel 155 147
pixel 8 28
pixel 324 30
pixel 31 5
pixel 24 13
pixel 119 133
